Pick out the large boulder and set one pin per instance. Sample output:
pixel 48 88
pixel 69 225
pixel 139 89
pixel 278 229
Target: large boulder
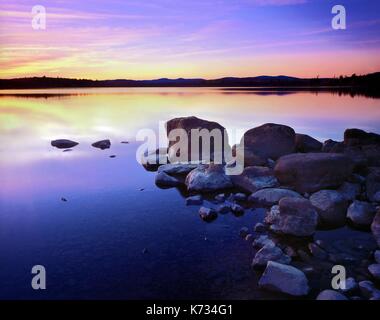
pixel 271 196
pixel 332 146
pixel 208 178
pixel 63 143
pixel 305 143
pixel 296 216
pixel 331 295
pixel 270 252
pixel 375 227
pixel 285 279
pixel 255 178
pixel 270 140
pixel 361 213
pixel 310 172
pixel 189 124
pixel 331 207
pixel 373 183
pixel 355 137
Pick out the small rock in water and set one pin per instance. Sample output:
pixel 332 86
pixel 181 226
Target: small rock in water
pixel 262 241
pixel 374 270
pixel 63 143
pixel 207 214
pixel 270 252
pixel 112 156
pixel 260 227
pixel 331 295
pixel 142 189
pixel 194 200
pixel 237 209
pixel 220 197
pixel 249 237
pixel 125 142
pixel 243 232
pixel 102 144
pixel 145 250
pixel 64 199
pixel 284 278
pixel 223 208
pixel 240 197
pixel 67 150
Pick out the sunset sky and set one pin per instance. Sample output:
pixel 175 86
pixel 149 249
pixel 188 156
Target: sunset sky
pixel 136 39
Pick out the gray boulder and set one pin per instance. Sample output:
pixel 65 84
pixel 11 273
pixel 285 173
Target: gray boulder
pixel 331 207
pixel 361 213
pixel 102 144
pixel 269 252
pixel 285 279
pixel 310 172
pixel 255 178
pixel 208 178
pixel 296 217
pixel 331 295
pixel 271 196
pixel 64 143
pixel 270 140
pixel 305 143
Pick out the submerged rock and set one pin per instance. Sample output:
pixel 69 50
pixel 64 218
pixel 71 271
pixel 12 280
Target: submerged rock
pixel 310 172
pixel 305 143
pixel 223 208
pixel 103 144
pixel 270 252
pixel 237 209
pixel 270 140
pixel 243 232
pixel 296 217
pixel 207 214
pixel 255 178
pixel 271 196
pixel 64 143
pixel 361 213
pixel 331 295
pixel 208 178
pixel 284 278
pixel 331 207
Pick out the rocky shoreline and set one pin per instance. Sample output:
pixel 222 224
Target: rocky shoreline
pixel 306 186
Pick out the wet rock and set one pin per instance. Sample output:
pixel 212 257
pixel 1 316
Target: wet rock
pixel 349 191
pixel 317 252
pixel 237 209
pixel 271 196
pixel 259 227
pixel 270 252
pixel 189 124
pixel 374 270
pixel 331 295
pixel 305 143
pixel 112 156
pixel 223 208
pixel 375 227
pixel 310 172
pixel 243 232
pixel 63 143
pixel 361 213
pixel 194 200
pixel 261 241
pixel 177 168
pixel 208 178
pixel 240 196
pixel 373 183
pixel 296 217
pixel 164 180
pixel 63 199
pixel 270 140
pixel 102 144
pixel 284 278
pixel 255 178
pixel 331 207
pixel 207 214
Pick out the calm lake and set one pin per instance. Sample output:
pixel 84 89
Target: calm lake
pixel 118 235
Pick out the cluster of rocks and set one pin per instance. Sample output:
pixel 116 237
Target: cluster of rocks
pixel 68 144
pixel 305 184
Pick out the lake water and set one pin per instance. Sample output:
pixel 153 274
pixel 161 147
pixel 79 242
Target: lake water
pixel 118 235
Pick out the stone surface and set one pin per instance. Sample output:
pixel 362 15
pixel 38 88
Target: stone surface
pixel 163 180
pixel 207 214
pixel 310 172
pixel 64 143
pixel 361 213
pixel 331 207
pixel 269 252
pixel 367 288
pixel 255 178
pixel 240 196
pixel 271 196
pixel 331 295
pixel 237 209
pixel 223 208
pixel 349 191
pixel 259 227
pixel 374 270
pixel 261 241
pixel 177 168
pixel 194 200
pixel 317 251
pixel 151 161
pixel 208 178
pixel 305 143
pixel 270 140
pixel 284 278
pixel 272 214
pixel 373 183
pixel 296 217
pixel 355 137
pixel 102 144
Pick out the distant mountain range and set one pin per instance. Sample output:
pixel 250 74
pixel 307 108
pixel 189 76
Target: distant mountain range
pixel 369 82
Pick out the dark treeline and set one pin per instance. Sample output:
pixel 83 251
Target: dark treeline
pixel 363 84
